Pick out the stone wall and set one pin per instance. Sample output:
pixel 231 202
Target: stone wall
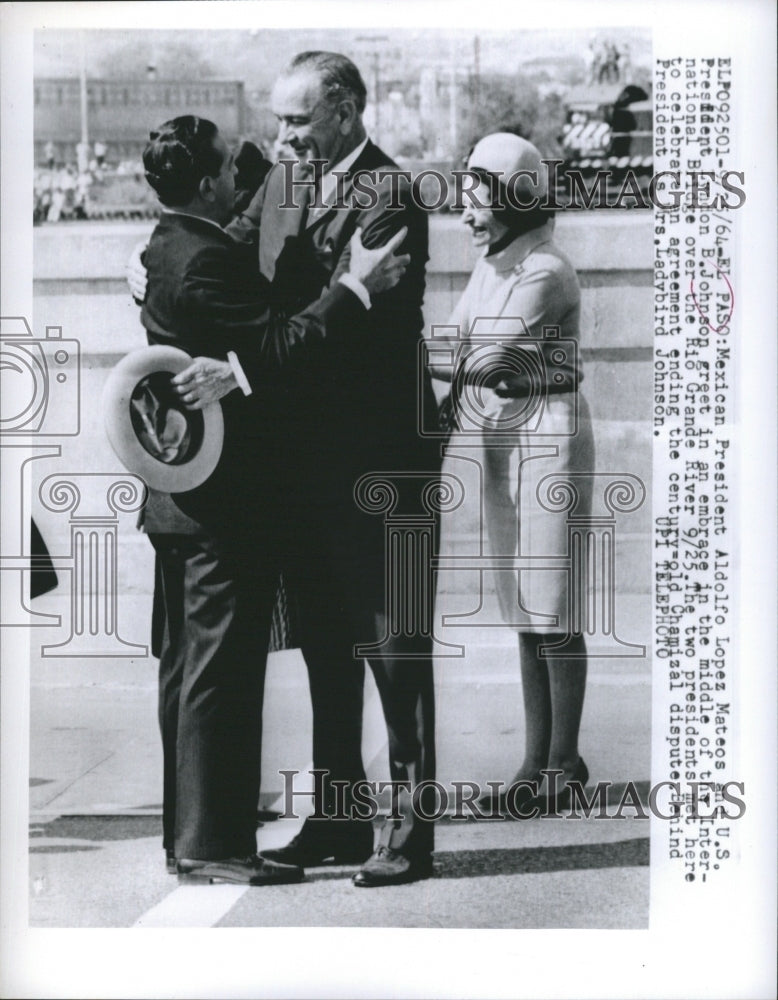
pixel 79 285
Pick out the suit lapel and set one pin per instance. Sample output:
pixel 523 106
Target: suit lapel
pixel 281 228
pixel 283 224
pixel 371 158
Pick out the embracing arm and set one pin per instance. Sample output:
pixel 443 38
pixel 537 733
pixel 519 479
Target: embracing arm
pixel 393 212
pixel 244 228
pixel 238 339
pixel 266 343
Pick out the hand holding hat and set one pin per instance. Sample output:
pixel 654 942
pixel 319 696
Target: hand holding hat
pixel 204 382
pixel 174 448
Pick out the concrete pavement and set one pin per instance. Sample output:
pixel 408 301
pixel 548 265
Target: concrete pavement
pixel 95 799
pixel 95 775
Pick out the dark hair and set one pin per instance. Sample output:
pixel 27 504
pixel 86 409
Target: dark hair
pixel 508 210
pixel 179 154
pixel 340 78
pixel 251 168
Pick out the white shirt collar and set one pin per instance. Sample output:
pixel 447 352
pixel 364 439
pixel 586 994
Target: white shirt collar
pixel 329 180
pixel 189 215
pixel 350 159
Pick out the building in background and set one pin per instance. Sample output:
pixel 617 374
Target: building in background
pixel 120 113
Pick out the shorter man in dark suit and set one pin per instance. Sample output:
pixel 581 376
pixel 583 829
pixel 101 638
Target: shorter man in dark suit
pixel 356 416
pixel 218 545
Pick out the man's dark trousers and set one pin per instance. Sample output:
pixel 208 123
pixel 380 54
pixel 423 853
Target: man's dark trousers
pixel 218 599
pixel 356 413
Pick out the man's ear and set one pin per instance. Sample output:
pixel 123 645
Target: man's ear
pixel 205 188
pixel 347 115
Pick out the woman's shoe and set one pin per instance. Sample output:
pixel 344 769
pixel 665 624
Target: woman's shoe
pixel 560 797
pixel 513 800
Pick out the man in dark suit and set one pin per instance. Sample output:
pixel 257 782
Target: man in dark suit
pixel 218 545
pixel 355 415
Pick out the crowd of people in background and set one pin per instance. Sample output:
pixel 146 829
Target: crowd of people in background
pixel 61 189
pixel 61 192
pixel 64 190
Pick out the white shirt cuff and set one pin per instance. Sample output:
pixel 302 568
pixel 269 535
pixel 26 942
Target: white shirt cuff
pixel 240 375
pixel 356 287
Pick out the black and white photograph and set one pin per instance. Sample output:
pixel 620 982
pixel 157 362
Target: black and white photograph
pixel 379 563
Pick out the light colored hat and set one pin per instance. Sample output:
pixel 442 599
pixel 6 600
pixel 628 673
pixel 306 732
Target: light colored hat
pixel 504 155
pixel 173 449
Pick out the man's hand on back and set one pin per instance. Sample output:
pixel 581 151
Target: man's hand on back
pixel 207 380
pixel 137 274
pixel 379 269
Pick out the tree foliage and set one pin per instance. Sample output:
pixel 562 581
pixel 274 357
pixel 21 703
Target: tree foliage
pixel 499 103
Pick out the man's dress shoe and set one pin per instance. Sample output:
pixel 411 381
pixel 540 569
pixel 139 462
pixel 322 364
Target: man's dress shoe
pixel 253 870
pixel 389 867
pixel 325 840
pixel 170 862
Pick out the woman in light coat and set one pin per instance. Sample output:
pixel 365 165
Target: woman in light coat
pixel 515 394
